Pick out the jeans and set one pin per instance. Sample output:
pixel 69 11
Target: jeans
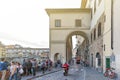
pixel 14 76
pixel 33 71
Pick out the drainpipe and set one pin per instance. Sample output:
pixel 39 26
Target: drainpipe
pixel 112 24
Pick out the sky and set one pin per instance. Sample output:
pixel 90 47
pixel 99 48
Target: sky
pixel 26 22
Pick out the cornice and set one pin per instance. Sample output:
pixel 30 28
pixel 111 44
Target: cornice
pixel 69 28
pixel 67 10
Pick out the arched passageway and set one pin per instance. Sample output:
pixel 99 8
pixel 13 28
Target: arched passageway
pixel 81 46
pixel 98 60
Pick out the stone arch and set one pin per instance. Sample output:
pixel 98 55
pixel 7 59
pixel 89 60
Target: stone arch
pixel 98 59
pixel 56 56
pixel 68 41
pixel 81 33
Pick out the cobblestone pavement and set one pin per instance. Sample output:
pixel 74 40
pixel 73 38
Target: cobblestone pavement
pixel 75 73
pixel 40 73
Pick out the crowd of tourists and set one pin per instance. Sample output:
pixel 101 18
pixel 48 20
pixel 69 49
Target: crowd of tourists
pixel 15 70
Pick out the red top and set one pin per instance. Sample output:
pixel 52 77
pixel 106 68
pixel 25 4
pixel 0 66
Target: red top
pixel 66 66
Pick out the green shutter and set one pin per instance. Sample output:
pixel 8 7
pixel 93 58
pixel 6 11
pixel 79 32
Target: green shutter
pixel 107 62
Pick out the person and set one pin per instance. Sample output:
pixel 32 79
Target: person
pixel 39 65
pixel 66 67
pixel 29 67
pixel 3 68
pixel 34 65
pixel 13 71
pixel 49 65
pixel 25 66
pixel 19 66
pixel 43 66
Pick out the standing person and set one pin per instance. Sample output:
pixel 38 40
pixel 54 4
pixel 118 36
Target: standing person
pixel 13 71
pixel 29 67
pixel 43 66
pixel 47 64
pixel 3 68
pixel 50 65
pixel 34 65
pixel 19 66
pixel 25 67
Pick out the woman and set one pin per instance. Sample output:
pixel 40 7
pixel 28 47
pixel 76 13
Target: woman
pixel 13 71
pixel 18 68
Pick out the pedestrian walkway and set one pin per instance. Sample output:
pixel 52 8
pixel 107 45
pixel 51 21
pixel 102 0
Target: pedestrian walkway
pixel 92 74
pixel 76 72
pixel 40 74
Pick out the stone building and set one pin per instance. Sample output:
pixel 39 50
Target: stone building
pixel 17 51
pixel 115 35
pixel 97 21
pixel 64 23
pixel 2 50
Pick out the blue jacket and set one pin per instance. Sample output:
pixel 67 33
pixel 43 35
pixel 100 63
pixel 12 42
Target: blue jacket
pixel 3 66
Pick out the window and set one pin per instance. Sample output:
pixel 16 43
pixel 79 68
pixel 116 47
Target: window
pixel 104 47
pixel 104 18
pixel 92 13
pixel 58 23
pixel 98 56
pixel 78 23
pixel 91 37
pixel 99 29
pixel 94 34
pixel 95 6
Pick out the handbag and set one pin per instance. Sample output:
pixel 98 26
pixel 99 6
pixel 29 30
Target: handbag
pixel 21 71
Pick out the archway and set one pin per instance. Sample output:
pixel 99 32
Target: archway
pixel 56 56
pixel 98 60
pixel 83 45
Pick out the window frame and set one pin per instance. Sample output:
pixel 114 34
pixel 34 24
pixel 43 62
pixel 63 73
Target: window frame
pixel 78 22
pixel 99 29
pixel 94 34
pixel 57 22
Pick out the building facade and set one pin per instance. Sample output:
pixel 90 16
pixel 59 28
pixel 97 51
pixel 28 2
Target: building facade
pixel 116 33
pixel 64 23
pixel 101 27
pixel 18 52
pixel 2 51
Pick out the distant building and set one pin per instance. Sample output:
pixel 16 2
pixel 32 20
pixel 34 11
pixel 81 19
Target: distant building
pixel 14 51
pixel 2 50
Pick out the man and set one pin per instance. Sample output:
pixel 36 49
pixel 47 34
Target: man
pixel 43 67
pixel 3 68
pixel 34 66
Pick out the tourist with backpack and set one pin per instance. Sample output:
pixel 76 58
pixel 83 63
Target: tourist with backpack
pixel 3 68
